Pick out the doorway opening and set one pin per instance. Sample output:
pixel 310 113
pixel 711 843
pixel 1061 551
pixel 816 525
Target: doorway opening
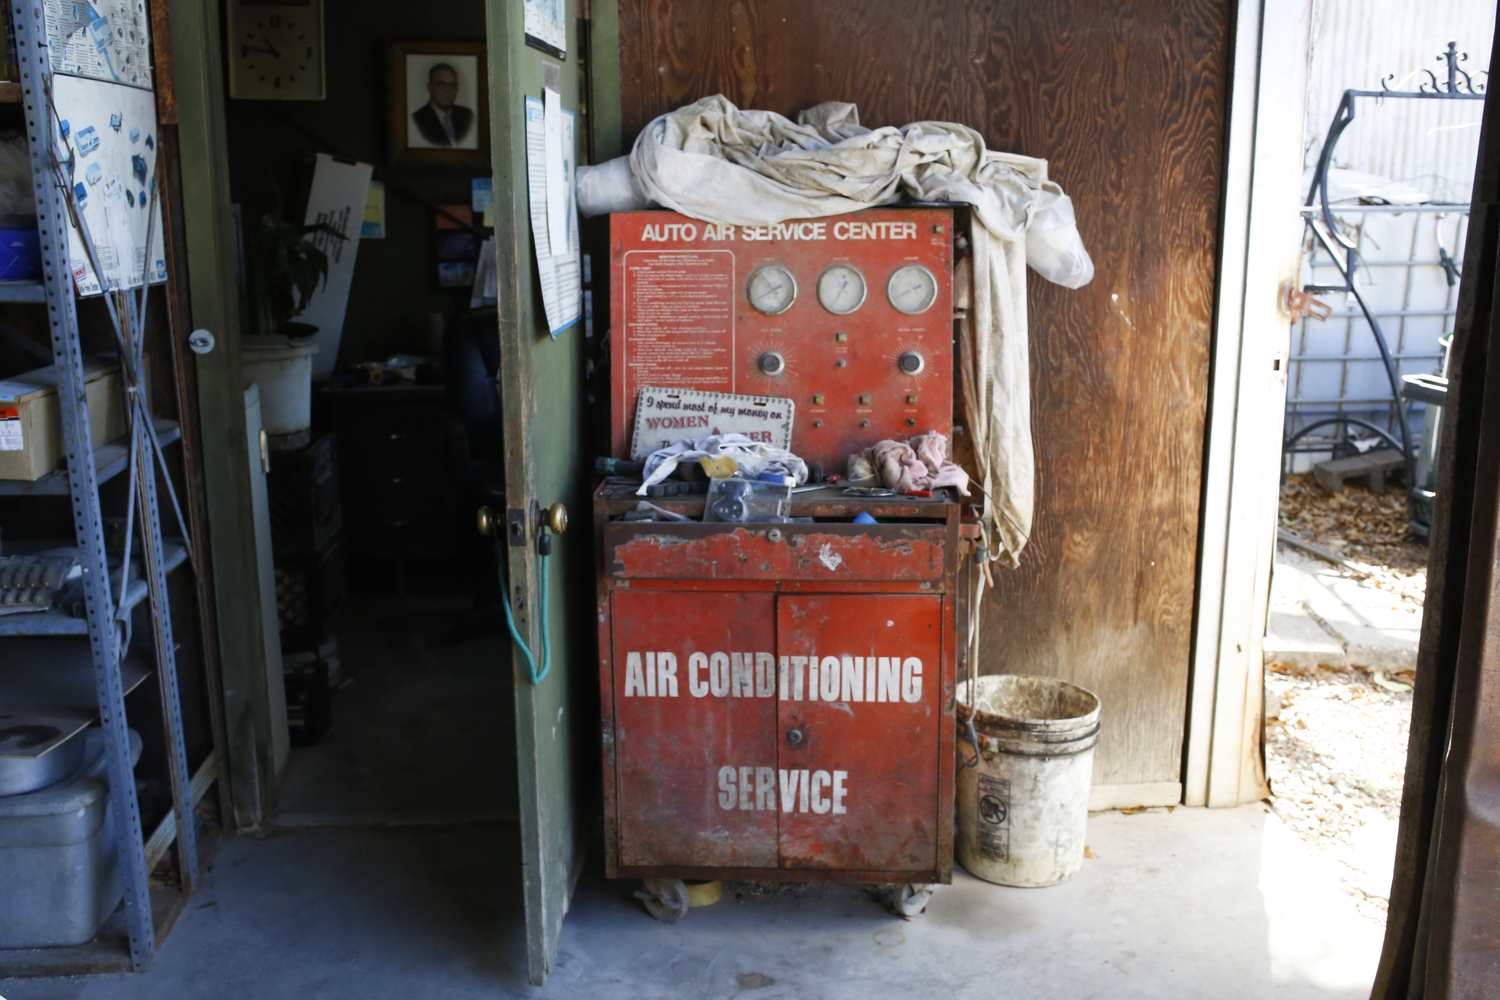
pixel 392 640
pixel 1386 219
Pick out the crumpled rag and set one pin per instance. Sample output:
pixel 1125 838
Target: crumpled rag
pixel 919 464
pixel 752 457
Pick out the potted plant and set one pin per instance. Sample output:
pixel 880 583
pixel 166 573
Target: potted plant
pixel 287 268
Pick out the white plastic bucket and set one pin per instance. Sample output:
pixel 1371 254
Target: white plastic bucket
pixel 283 370
pixel 1023 792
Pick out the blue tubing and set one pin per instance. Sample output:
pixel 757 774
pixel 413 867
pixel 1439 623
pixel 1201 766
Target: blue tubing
pixel 510 620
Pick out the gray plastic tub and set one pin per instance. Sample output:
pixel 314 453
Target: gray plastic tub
pixel 59 870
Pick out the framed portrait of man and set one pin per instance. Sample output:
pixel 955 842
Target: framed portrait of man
pixel 439 104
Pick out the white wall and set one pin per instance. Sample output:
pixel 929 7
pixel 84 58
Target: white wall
pixel 1356 43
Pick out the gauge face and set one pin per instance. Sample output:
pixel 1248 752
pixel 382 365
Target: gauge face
pixel 912 289
pixel 771 290
pixel 841 289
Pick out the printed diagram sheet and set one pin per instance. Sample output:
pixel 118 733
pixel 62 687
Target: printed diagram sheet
pixel 100 39
pixel 546 26
pixel 107 144
pixel 337 198
pixel 559 266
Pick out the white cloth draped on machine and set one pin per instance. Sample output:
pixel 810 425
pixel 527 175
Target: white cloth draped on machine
pixel 713 162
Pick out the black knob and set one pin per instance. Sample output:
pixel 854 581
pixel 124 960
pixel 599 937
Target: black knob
pixel 794 736
pixel 772 363
pixel 911 363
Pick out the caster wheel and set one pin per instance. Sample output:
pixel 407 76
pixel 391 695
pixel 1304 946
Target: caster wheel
pixel 908 900
pixel 666 899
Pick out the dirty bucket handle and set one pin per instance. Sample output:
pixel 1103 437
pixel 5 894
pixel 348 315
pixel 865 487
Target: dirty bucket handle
pixel 973 738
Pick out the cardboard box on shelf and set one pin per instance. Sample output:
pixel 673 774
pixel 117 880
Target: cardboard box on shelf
pixel 31 438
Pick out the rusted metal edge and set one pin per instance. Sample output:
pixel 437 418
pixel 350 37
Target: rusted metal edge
pixel 926 876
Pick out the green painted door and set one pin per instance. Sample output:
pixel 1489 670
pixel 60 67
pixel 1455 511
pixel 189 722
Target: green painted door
pixel 541 384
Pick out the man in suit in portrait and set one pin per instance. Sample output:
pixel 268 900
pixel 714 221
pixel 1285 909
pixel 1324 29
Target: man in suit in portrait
pixel 440 121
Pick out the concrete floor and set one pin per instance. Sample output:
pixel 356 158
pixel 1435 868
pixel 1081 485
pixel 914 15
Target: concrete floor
pixel 1196 903
pixel 421 730
pixel 1221 904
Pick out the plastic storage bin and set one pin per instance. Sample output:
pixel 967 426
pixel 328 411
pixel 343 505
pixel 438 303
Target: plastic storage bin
pixel 59 868
pixel 20 249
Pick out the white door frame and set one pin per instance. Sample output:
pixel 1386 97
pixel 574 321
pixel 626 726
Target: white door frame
pixel 1259 261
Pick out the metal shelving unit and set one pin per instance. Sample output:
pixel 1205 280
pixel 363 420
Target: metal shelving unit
pixel 107 602
pixel 109 461
pixel 22 291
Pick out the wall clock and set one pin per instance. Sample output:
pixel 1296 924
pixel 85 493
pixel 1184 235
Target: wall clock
pixel 275 50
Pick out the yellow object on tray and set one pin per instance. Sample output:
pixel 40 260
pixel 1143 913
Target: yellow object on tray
pixel 719 467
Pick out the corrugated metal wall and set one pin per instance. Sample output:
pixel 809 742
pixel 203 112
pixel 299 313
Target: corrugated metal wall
pixel 1357 43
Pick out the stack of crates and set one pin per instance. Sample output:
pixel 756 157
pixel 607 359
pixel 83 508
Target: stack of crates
pixel 307 536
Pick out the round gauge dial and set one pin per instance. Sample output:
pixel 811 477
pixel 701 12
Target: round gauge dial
pixel 771 290
pixel 912 289
pixel 841 289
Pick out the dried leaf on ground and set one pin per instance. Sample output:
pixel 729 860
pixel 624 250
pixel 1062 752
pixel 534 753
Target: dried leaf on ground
pixel 1336 773
pixel 1370 528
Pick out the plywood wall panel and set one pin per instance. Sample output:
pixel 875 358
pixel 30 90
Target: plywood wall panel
pixel 1127 103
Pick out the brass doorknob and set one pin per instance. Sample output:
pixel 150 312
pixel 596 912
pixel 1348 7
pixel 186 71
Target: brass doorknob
pixel 557 518
pixel 484 520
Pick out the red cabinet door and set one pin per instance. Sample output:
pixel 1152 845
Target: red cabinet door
pixel 859 723
pixel 695 729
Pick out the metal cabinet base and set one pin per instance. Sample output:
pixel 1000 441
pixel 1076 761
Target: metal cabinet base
pixel 778 698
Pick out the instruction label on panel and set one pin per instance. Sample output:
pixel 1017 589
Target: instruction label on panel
pixel 679 319
pixel 665 416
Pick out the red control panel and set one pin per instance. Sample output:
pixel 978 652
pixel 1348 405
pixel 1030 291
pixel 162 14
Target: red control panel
pixel 849 317
pixel 777 699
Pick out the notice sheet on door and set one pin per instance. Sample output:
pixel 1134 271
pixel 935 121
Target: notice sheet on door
pixel 558 264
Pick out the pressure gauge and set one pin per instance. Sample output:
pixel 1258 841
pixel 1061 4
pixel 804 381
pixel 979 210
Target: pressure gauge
pixel 912 289
pixel 771 290
pixel 841 289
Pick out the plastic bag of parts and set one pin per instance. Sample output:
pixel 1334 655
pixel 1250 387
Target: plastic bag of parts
pixel 609 187
pixel 742 501
pixel 15 177
pixel 1053 247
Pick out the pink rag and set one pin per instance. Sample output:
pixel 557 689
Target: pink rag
pixel 919 464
